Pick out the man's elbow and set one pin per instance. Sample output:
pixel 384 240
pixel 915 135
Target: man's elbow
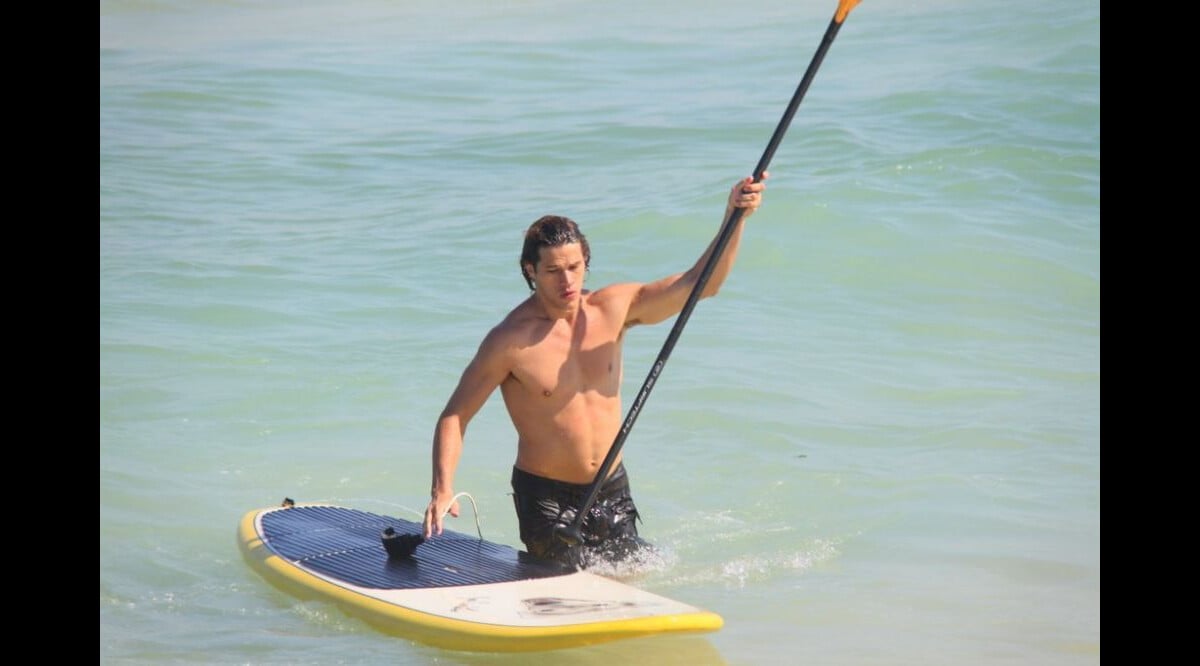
pixel 450 420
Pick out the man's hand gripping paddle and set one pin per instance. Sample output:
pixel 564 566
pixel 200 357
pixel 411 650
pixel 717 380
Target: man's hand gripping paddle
pixel 573 534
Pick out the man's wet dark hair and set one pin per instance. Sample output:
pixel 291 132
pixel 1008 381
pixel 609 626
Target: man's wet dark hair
pixel 551 231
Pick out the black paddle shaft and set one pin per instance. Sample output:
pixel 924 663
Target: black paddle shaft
pixel 573 533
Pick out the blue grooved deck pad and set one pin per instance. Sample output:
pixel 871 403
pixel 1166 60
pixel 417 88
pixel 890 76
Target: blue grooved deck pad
pixel 345 544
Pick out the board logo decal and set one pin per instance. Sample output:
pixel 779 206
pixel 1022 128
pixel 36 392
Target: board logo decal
pixel 468 605
pixel 561 606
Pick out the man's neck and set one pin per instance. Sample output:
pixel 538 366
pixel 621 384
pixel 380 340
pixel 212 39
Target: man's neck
pixel 545 310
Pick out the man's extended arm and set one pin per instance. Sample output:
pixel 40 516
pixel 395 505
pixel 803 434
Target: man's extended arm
pixel 481 376
pixel 656 301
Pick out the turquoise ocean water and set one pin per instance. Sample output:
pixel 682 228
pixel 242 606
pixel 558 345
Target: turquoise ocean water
pixel 880 444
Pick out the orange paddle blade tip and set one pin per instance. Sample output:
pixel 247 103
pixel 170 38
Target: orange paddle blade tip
pixel 843 10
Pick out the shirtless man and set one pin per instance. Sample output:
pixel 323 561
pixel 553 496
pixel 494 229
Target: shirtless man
pixel 557 360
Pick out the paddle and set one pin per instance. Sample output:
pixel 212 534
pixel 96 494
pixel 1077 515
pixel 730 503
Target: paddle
pixel 573 533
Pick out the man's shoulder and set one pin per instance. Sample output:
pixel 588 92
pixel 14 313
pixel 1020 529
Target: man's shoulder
pixel 516 324
pixel 618 292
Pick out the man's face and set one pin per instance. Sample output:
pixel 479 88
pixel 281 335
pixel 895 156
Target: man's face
pixel 558 275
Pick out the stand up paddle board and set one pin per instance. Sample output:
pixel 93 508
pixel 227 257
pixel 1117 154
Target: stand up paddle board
pixel 453 591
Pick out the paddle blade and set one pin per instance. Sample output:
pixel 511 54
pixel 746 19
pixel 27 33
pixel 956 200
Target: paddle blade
pixel 571 535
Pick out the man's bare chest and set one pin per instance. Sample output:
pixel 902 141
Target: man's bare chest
pixel 569 360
